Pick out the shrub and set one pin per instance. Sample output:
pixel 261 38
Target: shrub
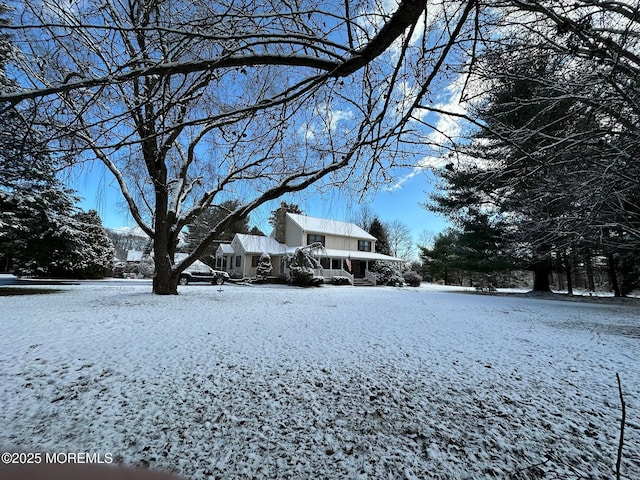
pixel 147 266
pixel 386 273
pixel 412 279
pixel 302 265
pixel 337 280
pixel 264 268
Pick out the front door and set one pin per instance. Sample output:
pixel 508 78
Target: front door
pixel 357 268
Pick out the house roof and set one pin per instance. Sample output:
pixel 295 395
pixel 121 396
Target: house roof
pixel 134 255
pixel 260 244
pixel 225 249
pixel 329 227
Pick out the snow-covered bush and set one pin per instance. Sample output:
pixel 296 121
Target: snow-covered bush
pixel 264 267
pixel 338 280
pixel 147 266
pixel 386 273
pixel 130 269
pixel 302 265
pixel 412 279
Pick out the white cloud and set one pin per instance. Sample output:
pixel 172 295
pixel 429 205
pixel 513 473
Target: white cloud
pixel 63 11
pixel 446 127
pixel 326 120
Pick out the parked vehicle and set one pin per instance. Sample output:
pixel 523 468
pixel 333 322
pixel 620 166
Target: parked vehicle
pixel 200 272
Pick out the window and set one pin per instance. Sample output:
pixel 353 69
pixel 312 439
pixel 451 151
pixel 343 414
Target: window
pixel 364 245
pixel 255 259
pixel 313 238
pixel 324 262
pixel 336 263
pixel 238 261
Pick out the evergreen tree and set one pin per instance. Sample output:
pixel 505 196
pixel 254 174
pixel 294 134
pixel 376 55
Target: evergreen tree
pixel 518 172
pixel 264 267
pixel 480 245
pixel 94 245
pixel 553 156
pixel 34 207
pixel 87 250
pixel 41 232
pixel 34 226
pixel 440 262
pixel 378 230
pixel 36 210
pixel 203 225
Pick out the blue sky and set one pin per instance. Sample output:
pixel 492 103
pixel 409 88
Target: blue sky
pixel 98 192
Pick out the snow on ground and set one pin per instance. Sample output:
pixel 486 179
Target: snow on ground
pixel 332 382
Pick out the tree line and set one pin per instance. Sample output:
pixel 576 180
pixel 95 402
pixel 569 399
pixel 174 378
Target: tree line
pixel 191 104
pixel 546 175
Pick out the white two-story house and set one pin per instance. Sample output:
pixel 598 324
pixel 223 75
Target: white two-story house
pixel 348 249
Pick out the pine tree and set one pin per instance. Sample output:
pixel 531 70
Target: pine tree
pixel 41 232
pixel 440 262
pixel 85 249
pixel 202 226
pixel 480 246
pixel 34 206
pixel 36 210
pixel 378 230
pixel 518 174
pixel 93 246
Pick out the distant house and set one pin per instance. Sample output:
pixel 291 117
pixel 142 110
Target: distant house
pixel 245 250
pixel 349 250
pixel 134 256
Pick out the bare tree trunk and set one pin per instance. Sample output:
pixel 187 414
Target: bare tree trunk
pixel 541 271
pixel 165 281
pixel 590 281
pixel 613 277
pixel 567 266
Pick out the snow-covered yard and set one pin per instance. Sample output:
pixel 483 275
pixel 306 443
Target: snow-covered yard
pixel 335 382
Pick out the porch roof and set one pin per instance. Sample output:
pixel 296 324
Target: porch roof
pixel 224 249
pixel 357 255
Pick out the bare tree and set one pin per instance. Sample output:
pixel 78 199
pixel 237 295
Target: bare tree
pixel 190 103
pixel 426 238
pixel 400 240
pixel 364 217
